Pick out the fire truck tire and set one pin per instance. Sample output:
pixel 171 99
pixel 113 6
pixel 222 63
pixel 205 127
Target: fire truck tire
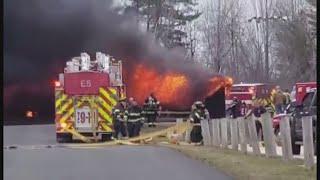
pixel 63 137
pixel 106 137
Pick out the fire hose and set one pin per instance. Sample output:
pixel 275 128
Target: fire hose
pixel 179 128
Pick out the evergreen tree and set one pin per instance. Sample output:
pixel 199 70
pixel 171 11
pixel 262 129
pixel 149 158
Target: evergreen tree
pixel 166 19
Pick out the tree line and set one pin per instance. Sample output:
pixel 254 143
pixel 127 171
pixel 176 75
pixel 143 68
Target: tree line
pixel 252 41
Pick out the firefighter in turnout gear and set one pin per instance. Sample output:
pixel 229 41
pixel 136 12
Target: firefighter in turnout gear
pixel 134 119
pixel 198 113
pixel 150 108
pixel 120 115
pixel 235 108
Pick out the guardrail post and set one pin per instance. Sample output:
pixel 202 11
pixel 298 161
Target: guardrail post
pixel 268 135
pixel 179 121
pixel 210 131
pixel 234 133
pixel 213 130
pixel 205 132
pixel 253 135
pixel 216 132
pixel 224 132
pixel 242 134
pixel 285 137
pixel 187 135
pixel 308 141
pixel 229 129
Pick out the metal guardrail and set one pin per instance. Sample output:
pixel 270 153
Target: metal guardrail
pixel 174 112
pixel 171 116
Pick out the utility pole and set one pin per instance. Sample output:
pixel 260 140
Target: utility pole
pixel 218 38
pixel 266 47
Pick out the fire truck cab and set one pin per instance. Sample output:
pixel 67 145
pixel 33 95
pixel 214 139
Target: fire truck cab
pixel 299 90
pixel 85 94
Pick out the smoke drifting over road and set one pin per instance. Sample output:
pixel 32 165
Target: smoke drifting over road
pixel 40 36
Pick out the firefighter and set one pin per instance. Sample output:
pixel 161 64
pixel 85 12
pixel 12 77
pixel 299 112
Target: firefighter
pixel 278 100
pixel 198 113
pixel 287 99
pixel 235 108
pixel 151 106
pixel 134 118
pixel 120 115
pixel 244 109
pixel 257 109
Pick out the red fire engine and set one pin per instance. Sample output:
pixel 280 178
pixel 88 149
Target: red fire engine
pixel 85 95
pixel 249 92
pixel 300 89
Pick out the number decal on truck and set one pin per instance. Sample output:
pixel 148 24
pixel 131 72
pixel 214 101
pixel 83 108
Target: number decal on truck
pixel 85 83
pixel 84 117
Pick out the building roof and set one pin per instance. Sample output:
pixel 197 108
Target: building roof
pixel 306 83
pixel 247 84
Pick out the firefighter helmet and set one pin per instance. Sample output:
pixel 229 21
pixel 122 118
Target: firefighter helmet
pixel 199 104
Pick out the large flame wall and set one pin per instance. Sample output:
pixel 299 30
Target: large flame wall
pixel 174 90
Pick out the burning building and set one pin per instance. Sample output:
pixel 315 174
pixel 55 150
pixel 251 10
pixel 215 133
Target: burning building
pixel 175 90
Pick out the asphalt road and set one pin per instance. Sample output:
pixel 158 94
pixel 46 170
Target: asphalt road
pixel 119 162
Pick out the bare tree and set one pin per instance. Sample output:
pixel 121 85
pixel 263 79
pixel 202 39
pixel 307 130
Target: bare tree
pixel 294 47
pixel 214 30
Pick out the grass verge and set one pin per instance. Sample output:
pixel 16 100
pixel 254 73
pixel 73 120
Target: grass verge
pixel 239 165
pixel 243 166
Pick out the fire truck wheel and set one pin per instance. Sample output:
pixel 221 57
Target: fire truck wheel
pixel 106 137
pixel 63 137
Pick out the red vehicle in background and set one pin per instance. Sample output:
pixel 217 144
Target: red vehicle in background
pixel 247 92
pixel 299 90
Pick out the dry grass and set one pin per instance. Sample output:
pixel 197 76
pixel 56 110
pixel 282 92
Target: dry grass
pixel 239 165
pixel 247 166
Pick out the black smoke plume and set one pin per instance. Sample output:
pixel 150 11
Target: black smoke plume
pixel 41 35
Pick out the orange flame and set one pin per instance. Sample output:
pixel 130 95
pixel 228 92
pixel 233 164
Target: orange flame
pixel 172 89
pixel 169 88
pixel 29 114
pixel 216 83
